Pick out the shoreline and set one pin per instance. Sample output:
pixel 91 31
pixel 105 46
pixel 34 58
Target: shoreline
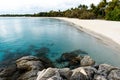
pixel 107 32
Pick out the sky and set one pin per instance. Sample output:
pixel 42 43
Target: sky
pixel 35 6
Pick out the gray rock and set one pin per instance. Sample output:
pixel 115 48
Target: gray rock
pixel 65 73
pixel 99 77
pixel 87 61
pixel 56 76
pixel 90 71
pixel 29 63
pixel 30 75
pixel 114 75
pixel 79 74
pixel 8 72
pixel 46 73
pixel 105 69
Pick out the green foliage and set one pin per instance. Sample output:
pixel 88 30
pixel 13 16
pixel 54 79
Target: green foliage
pixel 113 15
pixel 87 15
pixel 104 10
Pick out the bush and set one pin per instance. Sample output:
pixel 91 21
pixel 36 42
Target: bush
pixel 87 15
pixel 113 15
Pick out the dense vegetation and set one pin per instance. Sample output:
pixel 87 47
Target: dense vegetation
pixel 104 10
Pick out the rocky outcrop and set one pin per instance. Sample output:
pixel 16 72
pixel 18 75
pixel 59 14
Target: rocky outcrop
pixel 26 68
pixel 34 68
pixel 80 73
pixel 31 65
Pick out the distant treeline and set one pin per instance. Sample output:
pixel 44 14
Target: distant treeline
pixel 104 10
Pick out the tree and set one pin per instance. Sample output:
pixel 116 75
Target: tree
pixel 113 10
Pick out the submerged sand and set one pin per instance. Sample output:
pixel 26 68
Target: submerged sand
pixel 106 31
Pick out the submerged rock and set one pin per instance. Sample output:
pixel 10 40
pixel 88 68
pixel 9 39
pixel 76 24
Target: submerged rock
pixel 87 61
pixel 42 51
pixel 68 56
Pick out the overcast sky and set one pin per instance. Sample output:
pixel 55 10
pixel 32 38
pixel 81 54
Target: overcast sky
pixel 35 6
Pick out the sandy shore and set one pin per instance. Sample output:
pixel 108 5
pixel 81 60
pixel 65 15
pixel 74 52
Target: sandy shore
pixel 106 31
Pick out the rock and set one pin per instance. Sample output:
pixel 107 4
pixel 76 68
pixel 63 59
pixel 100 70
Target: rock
pixel 68 56
pixel 42 51
pixel 79 74
pixel 65 73
pixel 30 75
pixel 90 71
pixel 29 58
pixel 114 75
pixel 72 59
pixel 8 72
pixel 46 73
pixel 75 62
pixel 83 73
pixel 99 77
pixel 29 63
pixel 56 76
pixel 105 69
pixel 87 61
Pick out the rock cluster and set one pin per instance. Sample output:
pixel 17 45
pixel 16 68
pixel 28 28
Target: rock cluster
pixel 104 72
pixel 33 68
pixel 75 60
pixel 26 68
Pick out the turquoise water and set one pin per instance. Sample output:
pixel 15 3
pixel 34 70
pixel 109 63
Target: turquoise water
pixel 50 38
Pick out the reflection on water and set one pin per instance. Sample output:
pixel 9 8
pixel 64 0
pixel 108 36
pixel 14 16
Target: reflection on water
pixel 49 38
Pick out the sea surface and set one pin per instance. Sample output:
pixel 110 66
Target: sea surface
pixel 22 36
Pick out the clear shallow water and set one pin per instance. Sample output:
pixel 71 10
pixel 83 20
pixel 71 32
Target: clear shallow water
pixel 51 37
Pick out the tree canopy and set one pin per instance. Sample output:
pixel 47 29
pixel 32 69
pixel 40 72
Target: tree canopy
pixel 104 10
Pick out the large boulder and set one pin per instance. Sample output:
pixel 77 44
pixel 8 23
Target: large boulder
pixel 83 73
pixel 114 75
pixel 87 61
pixel 29 63
pixel 91 71
pixel 46 73
pixel 65 73
pixel 105 69
pixel 79 74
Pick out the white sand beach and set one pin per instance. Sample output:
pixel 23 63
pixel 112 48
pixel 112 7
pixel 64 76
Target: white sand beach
pixel 106 31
